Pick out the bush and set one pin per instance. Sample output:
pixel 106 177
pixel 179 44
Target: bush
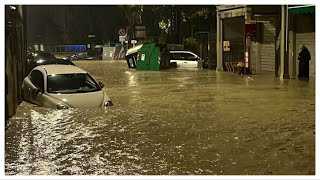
pixel 190 44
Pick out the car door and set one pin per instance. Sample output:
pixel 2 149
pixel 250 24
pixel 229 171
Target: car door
pixel 190 60
pixel 176 57
pixel 35 80
pixel 28 86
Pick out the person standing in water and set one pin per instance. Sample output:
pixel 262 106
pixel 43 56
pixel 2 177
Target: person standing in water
pixel 304 58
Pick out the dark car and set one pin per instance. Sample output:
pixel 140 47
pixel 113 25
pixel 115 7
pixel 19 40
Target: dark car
pixel 79 56
pixel 43 58
pixel 90 55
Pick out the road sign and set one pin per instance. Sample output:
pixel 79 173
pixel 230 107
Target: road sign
pixel 122 32
pixel 122 38
pixel 140 27
pixel 91 35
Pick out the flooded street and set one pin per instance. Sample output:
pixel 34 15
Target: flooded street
pixel 173 122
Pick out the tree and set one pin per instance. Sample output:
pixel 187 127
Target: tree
pixel 170 22
pixel 133 16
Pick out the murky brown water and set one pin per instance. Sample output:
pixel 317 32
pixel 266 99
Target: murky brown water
pixel 175 122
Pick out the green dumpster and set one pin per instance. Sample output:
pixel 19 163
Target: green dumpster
pixel 153 56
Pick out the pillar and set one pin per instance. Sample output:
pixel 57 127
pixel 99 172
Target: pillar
pixel 219 43
pixel 258 58
pixel 284 63
pixel 292 55
pixel 292 49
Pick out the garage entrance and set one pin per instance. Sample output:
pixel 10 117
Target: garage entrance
pixel 233 31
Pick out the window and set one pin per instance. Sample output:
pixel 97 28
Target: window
pixel 176 56
pixel 37 79
pixel 183 56
pixel 189 57
pixel 71 83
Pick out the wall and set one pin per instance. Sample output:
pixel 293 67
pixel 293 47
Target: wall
pixel 268 43
pixel 304 27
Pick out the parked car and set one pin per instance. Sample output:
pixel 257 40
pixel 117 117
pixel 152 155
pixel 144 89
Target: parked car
pixel 90 55
pixel 43 58
pixel 81 55
pixel 63 87
pixel 186 59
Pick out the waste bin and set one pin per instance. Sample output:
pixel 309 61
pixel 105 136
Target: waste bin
pixel 131 56
pixel 153 56
pixel 131 60
pixel 108 53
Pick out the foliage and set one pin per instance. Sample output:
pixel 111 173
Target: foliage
pixel 177 21
pixel 190 44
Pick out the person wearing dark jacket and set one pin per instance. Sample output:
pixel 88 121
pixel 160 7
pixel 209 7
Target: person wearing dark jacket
pixel 304 58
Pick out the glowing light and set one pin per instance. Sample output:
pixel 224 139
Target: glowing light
pixel 40 61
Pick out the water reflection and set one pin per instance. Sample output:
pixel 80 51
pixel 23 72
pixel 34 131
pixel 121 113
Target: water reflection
pixel 170 123
pixel 132 79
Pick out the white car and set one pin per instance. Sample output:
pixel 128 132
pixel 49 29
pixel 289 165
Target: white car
pixel 63 87
pixel 184 59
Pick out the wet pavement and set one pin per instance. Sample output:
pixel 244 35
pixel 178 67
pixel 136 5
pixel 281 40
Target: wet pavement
pixel 173 122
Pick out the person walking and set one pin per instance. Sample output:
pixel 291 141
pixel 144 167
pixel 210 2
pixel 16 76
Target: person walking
pixel 240 67
pixel 199 63
pixel 304 58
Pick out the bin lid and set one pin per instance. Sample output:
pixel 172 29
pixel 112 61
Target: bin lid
pixel 134 49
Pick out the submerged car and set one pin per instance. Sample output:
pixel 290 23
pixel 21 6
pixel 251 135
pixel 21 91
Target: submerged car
pixel 38 58
pixel 79 56
pixel 186 59
pixel 90 55
pixel 63 87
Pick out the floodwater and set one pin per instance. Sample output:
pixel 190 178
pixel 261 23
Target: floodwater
pixel 173 122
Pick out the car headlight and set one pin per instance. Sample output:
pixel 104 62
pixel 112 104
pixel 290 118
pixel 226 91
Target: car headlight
pixel 61 106
pixel 108 103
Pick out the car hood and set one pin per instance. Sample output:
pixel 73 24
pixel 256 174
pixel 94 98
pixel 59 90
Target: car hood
pixel 91 99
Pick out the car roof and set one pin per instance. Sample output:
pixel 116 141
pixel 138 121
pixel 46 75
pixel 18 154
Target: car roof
pixel 61 69
pixel 42 55
pixel 55 61
pixel 40 52
pixel 182 52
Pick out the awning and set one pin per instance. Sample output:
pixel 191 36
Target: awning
pixel 305 9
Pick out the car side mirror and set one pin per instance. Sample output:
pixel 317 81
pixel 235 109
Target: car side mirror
pixel 101 84
pixel 36 91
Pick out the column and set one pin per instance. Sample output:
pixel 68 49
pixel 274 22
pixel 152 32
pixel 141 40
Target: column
pixel 282 34
pixel 292 56
pixel 258 58
pixel 292 49
pixel 219 43
pixel 284 63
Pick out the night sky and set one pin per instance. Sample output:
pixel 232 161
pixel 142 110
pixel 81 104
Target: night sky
pixel 39 16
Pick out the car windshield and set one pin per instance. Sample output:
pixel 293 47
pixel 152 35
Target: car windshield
pixel 71 83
